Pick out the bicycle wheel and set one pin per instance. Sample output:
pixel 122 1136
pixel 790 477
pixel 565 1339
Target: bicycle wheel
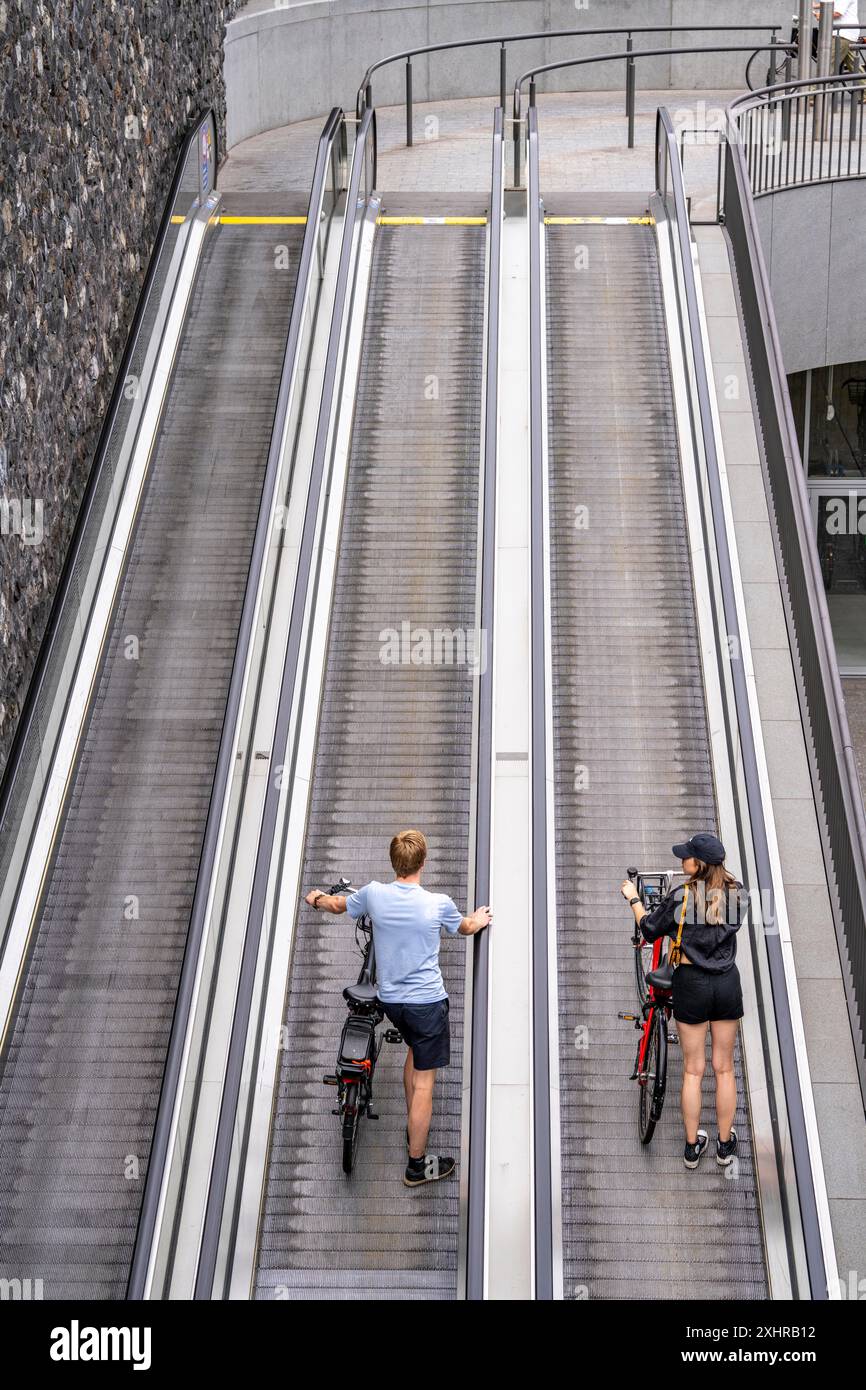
pixel 757 72
pixel 653 1079
pixel 643 961
pixel 351 1127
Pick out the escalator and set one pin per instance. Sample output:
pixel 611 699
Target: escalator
pixel 628 708
pixel 394 750
pixel 82 1066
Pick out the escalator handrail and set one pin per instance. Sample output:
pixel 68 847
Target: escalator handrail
pixel 667 155
pixel 479 1046
pixel 222 1150
pixel 225 757
pixel 24 725
pixel 542 1167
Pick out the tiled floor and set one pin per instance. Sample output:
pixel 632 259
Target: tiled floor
pixel 578 134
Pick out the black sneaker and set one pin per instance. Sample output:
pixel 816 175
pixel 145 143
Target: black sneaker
pixel 725 1151
pixel 430 1168
pixel 694 1152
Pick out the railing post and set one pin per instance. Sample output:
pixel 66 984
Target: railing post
pixel 804 39
pixel 409 100
pixel 825 52
pixel 629 45
pixel 532 90
pixel 786 103
pixel 502 73
pixel 629 94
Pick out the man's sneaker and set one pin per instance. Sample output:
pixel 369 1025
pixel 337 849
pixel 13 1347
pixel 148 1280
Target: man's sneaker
pixel 695 1152
pixel 430 1168
pixel 725 1151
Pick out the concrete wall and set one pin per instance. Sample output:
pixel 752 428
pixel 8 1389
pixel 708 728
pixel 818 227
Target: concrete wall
pixel 815 252
pixel 94 101
pixel 290 61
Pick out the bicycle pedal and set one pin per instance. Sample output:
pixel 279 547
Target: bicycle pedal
pixel 391 1035
pixel 336 1110
pixel 372 1115
pixel 628 1018
pixel 330 1081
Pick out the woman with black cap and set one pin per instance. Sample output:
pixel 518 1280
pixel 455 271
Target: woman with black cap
pixel 704 915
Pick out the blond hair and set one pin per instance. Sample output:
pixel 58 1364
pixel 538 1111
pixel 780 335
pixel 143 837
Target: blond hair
pixel 408 852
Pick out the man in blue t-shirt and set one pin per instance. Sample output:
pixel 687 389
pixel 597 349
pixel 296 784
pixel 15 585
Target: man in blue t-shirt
pixel 407 929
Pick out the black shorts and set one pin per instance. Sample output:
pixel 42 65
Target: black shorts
pixel 426 1030
pixel 704 996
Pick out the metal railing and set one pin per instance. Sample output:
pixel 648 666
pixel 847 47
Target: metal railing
pixel 326 184
pixel 479 1051
pixel 669 182
pixel 803 132
pixel 28 765
pixel 285 737
pixel 630 58
pixel 833 763
pixel 364 98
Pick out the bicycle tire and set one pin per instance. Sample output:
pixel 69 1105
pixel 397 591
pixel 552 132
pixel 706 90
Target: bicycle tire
pixel 643 955
pixel 652 1097
pixel 757 79
pixel 351 1127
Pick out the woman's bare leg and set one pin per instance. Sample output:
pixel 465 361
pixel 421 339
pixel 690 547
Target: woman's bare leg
pixel 724 1036
pixel 693 1044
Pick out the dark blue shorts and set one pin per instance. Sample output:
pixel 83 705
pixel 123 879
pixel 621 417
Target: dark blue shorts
pixel 426 1030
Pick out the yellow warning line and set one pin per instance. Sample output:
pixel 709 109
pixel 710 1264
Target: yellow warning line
pixel 252 221
pixel 431 221
pixel 600 221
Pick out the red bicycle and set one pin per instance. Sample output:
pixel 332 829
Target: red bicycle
pixel 654 979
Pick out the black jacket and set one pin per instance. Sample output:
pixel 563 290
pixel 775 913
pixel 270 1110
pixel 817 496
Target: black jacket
pixel 710 946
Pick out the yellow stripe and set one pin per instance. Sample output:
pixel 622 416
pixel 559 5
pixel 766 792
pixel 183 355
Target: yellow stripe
pixel 263 221
pixel 600 221
pixel 432 221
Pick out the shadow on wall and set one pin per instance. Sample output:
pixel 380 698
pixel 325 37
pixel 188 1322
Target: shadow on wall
pixel 94 103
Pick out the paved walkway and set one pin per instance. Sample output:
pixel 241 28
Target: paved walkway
pixel 582 138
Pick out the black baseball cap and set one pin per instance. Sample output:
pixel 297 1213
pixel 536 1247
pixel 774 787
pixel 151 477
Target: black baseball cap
pixel 705 847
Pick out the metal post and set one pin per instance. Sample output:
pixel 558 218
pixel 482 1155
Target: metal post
pixel 629 45
pixel 502 68
pixel 771 62
pixel 409 100
pixel 825 54
pixel 629 97
pixel 804 39
pixel 515 123
pixel 532 90
pixel 786 103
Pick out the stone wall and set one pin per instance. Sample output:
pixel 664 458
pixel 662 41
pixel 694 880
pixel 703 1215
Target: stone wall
pixel 81 192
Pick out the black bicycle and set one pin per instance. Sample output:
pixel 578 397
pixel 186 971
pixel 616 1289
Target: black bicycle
pixel 762 73
pixel 360 1041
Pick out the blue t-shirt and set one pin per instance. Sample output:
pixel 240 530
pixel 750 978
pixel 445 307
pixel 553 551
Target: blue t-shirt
pixel 407 925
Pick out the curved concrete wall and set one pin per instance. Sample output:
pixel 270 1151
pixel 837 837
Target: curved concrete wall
pixel 287 62
pixel 815 250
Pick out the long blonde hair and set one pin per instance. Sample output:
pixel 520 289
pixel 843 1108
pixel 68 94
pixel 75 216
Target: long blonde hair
pixel 711 884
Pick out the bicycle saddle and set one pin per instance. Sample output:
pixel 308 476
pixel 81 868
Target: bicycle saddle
pixel 360 994
pixel 663 978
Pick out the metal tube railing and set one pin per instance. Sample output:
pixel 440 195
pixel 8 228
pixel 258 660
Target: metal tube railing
pixel 780 131
pixel 364 97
